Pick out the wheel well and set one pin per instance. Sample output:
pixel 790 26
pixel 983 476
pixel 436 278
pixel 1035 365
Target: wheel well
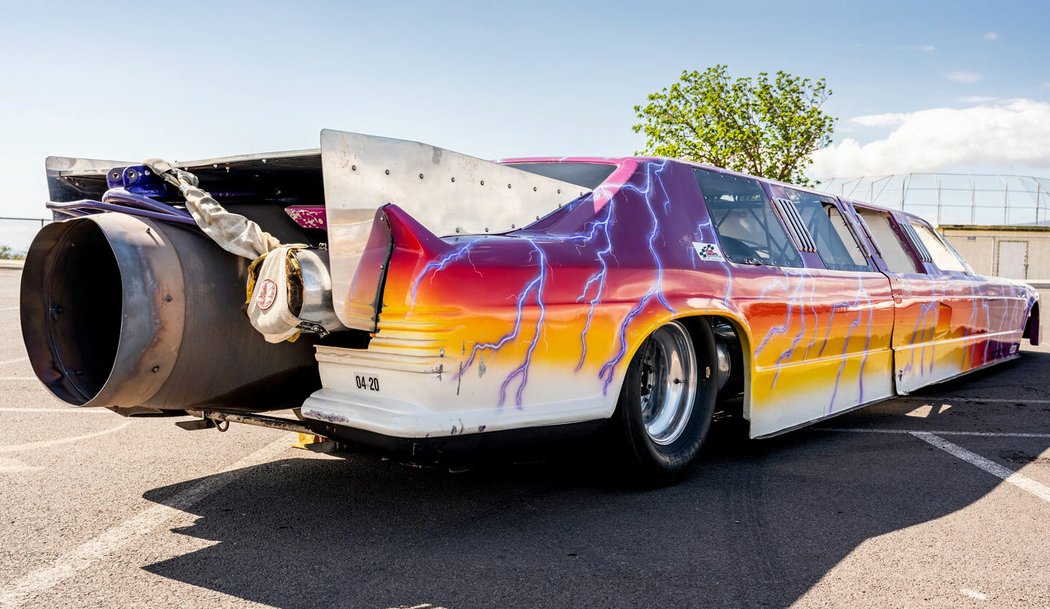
pixel 1032 326
pixel 734 400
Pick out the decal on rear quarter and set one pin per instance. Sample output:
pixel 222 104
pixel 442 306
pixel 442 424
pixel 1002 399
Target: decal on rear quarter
pixel 708 251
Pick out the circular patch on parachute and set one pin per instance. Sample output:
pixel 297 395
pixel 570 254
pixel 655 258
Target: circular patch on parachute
pixel 267 294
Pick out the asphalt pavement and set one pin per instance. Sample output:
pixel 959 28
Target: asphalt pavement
pixel 941 499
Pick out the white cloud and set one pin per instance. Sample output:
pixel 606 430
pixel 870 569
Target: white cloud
pixel 990 36
pixel 925 48
pixel 1012 133
pixel 976 99
pixel 964 76
pixel 879 120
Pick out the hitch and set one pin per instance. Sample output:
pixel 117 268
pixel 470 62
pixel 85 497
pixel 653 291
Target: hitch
pixel 308 439
pixel 221 421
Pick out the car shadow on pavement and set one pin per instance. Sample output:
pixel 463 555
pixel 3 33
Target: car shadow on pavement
pixel 756 523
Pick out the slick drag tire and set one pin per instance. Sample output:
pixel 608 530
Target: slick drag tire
pixel 666 402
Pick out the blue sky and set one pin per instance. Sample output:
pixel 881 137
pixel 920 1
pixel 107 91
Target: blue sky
pixel 190 80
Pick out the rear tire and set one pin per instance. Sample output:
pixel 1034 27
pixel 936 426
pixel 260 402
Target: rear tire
pixel 667 399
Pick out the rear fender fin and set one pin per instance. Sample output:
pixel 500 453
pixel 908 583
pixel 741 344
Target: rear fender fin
pixel 392 228
pixel 408 234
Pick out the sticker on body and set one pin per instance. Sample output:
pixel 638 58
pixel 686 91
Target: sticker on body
pixel 708 251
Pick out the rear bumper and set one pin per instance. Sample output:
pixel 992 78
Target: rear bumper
pixel 363 392
pixel 404 419
pixel 515 443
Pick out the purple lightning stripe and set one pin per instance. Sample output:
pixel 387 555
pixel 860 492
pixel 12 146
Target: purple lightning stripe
pixel 534 284
pixel 523 369
pixel 778 330
pixel 439 264
pixel 860 298
pixel 712 237
pixel 787 353
pixel 599 278
pixel 652 180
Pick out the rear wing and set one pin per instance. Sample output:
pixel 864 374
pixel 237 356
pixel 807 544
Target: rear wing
pixel 354 175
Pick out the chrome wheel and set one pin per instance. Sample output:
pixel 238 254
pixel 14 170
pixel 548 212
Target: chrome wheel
pixel 668 383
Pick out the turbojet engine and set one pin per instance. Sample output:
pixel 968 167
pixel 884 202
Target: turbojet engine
pixel 141 315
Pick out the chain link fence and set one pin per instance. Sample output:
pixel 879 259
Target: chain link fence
pixel 944 198
pixel 16 234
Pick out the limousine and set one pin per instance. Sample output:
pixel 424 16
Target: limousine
pixel 473 301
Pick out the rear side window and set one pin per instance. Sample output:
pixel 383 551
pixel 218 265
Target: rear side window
pixel 836 244
pixel 748 229
pixel 587 175
pixel 893 251
pixel 944 258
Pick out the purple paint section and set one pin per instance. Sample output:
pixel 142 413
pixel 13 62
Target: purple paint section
pixel 308 216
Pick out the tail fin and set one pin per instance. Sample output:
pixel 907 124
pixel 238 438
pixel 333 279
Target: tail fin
pixel 394 235
pixel 409 235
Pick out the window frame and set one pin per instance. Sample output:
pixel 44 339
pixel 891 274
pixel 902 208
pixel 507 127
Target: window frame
pixel 918 225
pixel 771 211
pixel 847 220
pixel 902 239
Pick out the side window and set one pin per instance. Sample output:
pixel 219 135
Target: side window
pixel 749 231
pixel 880 228
pixel 836 244
pixel 944 258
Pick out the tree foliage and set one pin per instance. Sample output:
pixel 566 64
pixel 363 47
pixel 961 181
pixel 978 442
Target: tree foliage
pixel 761 126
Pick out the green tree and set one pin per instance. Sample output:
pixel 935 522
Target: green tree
pixel 761 126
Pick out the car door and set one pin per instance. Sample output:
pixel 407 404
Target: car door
pixel 934 309
pixel 847 360
pixel 818 312
pixel 986 314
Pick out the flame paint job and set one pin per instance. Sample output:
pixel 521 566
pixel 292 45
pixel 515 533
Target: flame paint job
pixel 537 326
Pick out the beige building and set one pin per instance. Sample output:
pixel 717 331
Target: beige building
pixel 1017 252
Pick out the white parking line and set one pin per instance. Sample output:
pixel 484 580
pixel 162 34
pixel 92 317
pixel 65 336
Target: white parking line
pixel 23 589
pixel 17 378
pixel 17 448
pixel 14 361
pixel 981 434
pixel 14 466
pixel 1007 475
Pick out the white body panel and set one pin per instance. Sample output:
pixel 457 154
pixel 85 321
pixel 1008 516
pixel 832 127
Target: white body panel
pixel 431 402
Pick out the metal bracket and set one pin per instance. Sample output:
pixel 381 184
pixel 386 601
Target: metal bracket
pixel 196 424
pixel 222 420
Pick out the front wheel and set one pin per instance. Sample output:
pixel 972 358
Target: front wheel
pixel 667 399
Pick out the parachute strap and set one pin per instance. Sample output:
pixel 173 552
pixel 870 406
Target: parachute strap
pixel 232 232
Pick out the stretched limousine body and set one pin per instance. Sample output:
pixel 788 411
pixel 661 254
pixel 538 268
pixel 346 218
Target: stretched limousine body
pixel 469 298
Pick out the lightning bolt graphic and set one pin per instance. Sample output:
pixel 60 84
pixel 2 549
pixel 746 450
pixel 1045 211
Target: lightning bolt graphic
pixel 653 176
pixel 523 369
pixel 600 227
pixel 439 264
pixel 535 285
pixel 861 298
pixel 707 234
